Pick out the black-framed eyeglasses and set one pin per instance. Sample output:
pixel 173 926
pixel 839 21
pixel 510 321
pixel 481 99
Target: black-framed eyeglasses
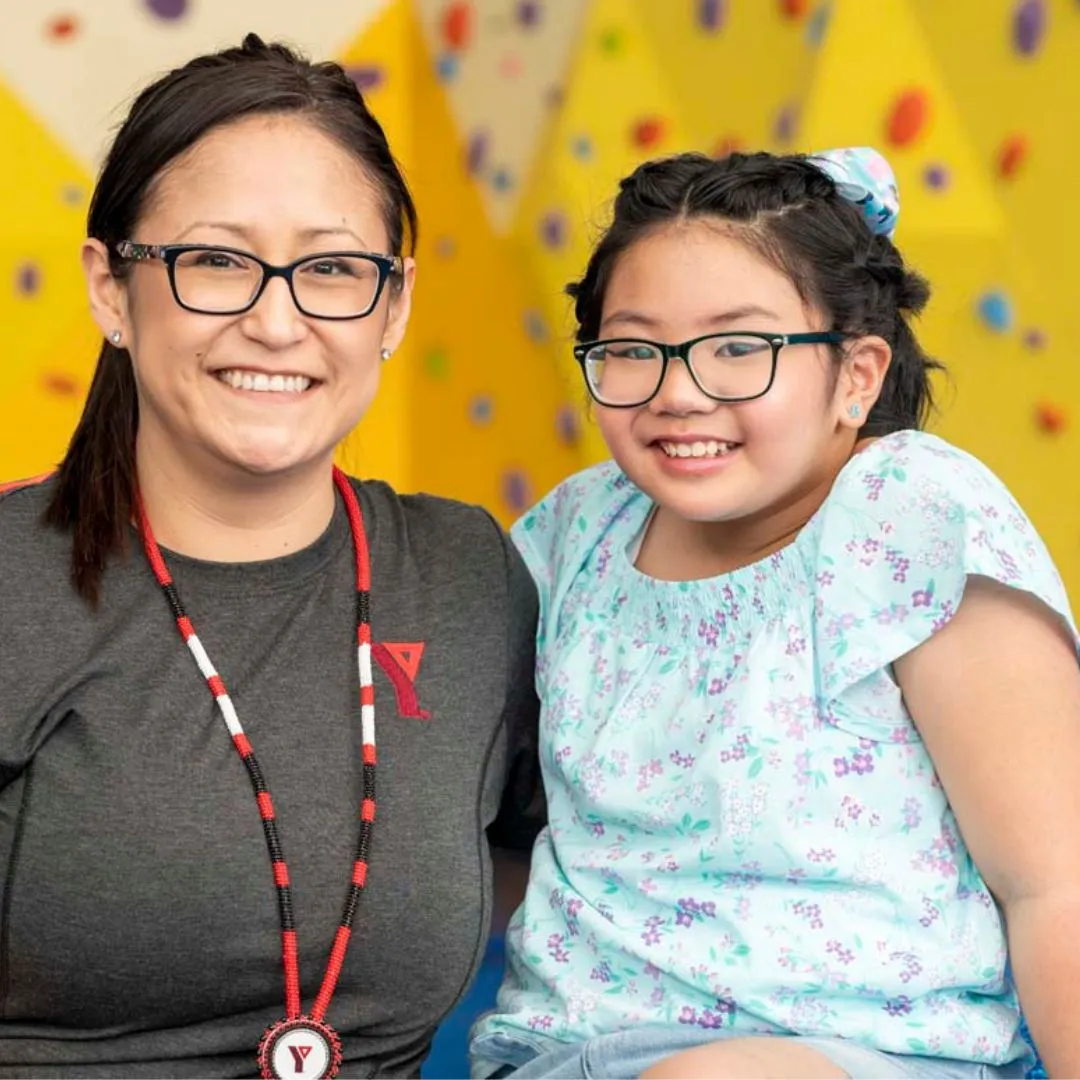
pixel 623 373
pixel 212 280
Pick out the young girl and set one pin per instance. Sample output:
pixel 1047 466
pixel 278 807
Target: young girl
pixel 803 668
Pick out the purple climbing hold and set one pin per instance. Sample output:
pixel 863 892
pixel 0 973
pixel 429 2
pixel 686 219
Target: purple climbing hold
pixel 786 121
pixel 167 9
pixel 1035 339
pixel 481 409
pixel 553 229
pixel 936 177
pixel 476 155
pixel 1029 26
pixel 568 425
pixel 581 147
pixel 711 14
pixel 446 67
pixel 528 13
pixel 28 279
pixel 367 77
pixel 516 490
pixel 535 327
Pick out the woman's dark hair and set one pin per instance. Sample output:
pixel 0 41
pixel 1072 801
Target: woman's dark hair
pixel 95 488
pixel 792 214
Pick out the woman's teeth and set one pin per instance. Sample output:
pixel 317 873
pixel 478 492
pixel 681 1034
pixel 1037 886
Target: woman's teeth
pixel 273 384
pixel 711 448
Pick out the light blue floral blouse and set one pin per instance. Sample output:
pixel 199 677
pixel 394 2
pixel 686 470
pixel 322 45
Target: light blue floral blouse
pixel 746 831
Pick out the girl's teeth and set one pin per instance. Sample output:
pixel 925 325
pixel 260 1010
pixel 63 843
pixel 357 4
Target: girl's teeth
pixel 271 384
pixel 697 449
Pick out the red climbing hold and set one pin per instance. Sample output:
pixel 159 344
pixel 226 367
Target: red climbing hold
pixel 1012 155
pixel 1050 418
pixel 908 118
pixel 649 132
pixel 457 25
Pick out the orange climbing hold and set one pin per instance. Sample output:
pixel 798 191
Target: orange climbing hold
pixel 649 132
pixel 729 144
pixel 1012 155
pixel 908 118
pixel 794 9
pixel 62 27
pixel 457 25
pixel 1051 418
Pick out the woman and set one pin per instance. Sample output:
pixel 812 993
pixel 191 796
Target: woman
pixel 180 827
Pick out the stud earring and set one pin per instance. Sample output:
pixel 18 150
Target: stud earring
pixel 855 411
pixel 115 337
pixel 385 354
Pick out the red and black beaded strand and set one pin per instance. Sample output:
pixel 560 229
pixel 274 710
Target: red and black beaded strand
pixel 294 1020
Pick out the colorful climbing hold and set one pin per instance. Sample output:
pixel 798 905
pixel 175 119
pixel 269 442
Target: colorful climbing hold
pixel 818 25
pixel 996 311
pixel 28 279
pixel 436 363
pixel 1051 418
pixel 367 77
pixel 62 27
pixel 611 41
pixel 445 247
pixel 516 490
pixel 1035 339
pixel 457 25
pixel 581 147
pixel 711 14
pixel 1011 156
pixel 794 9
pixel 908 118
pixel 553 229
pixel 649 132
pixel 568 425
pixel 1029 26
pixel 446 67
pixel 481 409
pixel 787 121
pixel 936 177
pixel 60 383
pixel 476 152
pixel 167 9
pixel 727 145
pixel 72 195
pixel 536 327
pixel 501 180
pixel 510 65
pixel 528 13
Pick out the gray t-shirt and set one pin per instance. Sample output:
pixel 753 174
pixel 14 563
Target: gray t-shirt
pixel 139 930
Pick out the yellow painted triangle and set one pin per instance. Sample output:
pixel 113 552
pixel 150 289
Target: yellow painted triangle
pixel 386 49
pixel 39 244
pixel 731 81
pixel 617 81
pixel 851 98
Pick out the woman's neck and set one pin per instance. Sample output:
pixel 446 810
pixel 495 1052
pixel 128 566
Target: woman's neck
pixel 230 516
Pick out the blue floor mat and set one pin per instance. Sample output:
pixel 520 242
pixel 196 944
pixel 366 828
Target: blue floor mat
pixel 449 1059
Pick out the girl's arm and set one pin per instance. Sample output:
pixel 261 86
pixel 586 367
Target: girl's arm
pixel 996 697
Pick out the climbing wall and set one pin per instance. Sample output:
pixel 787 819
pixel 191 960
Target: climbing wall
pixel 515 119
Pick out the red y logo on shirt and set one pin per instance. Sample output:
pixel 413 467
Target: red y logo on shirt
pixel 299 1055
pixel 400 661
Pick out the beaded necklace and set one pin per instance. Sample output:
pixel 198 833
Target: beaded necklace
pixel 300 1046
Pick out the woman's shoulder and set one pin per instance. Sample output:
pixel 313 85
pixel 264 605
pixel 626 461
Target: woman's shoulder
pixel 24 536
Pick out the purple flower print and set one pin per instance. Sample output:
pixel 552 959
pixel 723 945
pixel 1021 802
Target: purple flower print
pixel 824 855
pixel 685 761
pixel 810 912
pixel 898 1006
pixel 688 1015
pixel 826 577
pixel 647 772
pixel 709 633
pixel 923 597
pixel 841 766
pixel 717 1017
pixel 912 813
pixel 861 764
pixel 844 955
pixel 601 973
pixel 556 950
pixel 652 932
pixel 874 484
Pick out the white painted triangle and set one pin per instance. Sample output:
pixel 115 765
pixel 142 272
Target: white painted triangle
pixel 503 86
pixel 79 85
